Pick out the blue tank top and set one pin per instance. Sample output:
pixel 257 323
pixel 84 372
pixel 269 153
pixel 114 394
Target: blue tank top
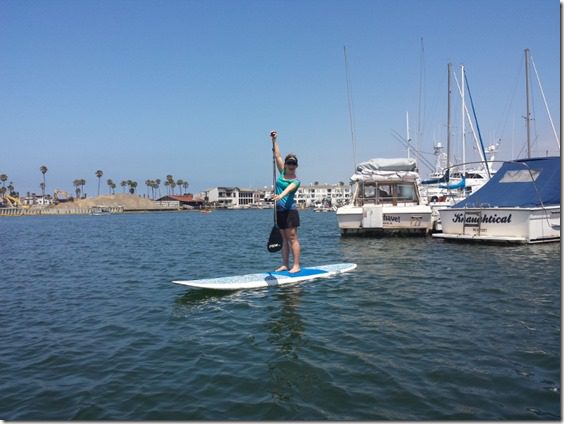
pixel 287 202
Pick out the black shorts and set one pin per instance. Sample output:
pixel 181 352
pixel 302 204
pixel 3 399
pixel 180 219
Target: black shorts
pixel 287 218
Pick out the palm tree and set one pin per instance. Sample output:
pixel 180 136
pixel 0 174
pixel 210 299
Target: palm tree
pixel 167 184
pixel 109 182
pixel 99 174
pixel 76 184
pixel 179 183
pixel 158 185
pixel 3 178
pixel 132 186
pixel 185 185
pixel 148 184
pixel 43 170
pixel 170 181
pixel 113 188
pixel 123 184
pixel 155 188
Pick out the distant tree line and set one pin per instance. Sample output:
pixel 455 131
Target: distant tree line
pixel 153 186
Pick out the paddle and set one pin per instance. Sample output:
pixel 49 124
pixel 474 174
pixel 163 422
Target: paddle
pixel 274 243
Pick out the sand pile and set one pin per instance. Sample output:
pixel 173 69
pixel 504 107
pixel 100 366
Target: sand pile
pixel 128 201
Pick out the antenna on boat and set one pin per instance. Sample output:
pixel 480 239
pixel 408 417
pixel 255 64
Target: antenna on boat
pixel 407 134
pixel 463 120
pixel 528 116
pixel 419 134
pixel 448 113
pixel 350 104
pixel 492 150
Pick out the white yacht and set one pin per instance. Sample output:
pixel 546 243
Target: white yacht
pixel 386 199
pixel 520 204
pixel 459 181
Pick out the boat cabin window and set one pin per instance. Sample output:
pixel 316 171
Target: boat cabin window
pixel 393 193
pixel 406 193
pixel 520 176
pixel 369 191
pixel 385 192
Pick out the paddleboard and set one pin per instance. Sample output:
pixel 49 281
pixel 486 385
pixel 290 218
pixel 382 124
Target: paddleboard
pixel 267 279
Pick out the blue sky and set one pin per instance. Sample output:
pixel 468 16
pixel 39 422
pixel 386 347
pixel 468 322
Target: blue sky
pixel 141 89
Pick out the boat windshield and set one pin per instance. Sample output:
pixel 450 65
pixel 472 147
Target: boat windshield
pixel 406 193
pixel 387 193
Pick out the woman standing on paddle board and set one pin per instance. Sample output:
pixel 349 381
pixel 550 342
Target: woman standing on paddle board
pixel 286 208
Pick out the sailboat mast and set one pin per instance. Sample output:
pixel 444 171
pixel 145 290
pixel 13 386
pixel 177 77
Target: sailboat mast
pixel 350 104
pixel 463 121
pixel 407 134
pixel 448 113
pixel 528 116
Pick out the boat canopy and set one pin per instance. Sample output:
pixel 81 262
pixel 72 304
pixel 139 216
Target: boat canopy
pixel 455 186
pixel 399 164
pixel 373 170
pixel 438 180
pixel 520 183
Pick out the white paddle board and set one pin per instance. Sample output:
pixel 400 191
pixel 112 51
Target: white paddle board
pixel 266 279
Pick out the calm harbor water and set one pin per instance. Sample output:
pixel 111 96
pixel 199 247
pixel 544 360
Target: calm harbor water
pixel 92 328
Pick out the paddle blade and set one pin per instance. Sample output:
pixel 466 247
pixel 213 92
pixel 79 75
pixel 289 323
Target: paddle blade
pixel 275 240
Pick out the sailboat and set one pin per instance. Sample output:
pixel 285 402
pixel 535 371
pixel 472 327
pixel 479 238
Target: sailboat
pixel 520 204
pixel 451 183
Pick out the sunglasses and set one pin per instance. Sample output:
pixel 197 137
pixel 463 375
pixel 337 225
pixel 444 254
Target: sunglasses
pixel 291 162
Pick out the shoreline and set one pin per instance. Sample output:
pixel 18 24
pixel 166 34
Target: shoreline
pixel 17 212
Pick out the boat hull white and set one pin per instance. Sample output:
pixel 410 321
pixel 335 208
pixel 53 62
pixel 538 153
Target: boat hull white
pixel 503 224
pixel 384 219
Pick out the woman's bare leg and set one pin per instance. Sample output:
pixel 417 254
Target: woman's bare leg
pixel 291 235
pixel 285 253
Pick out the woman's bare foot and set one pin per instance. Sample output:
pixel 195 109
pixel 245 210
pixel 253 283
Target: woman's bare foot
pixel 282 268
pixel 295 269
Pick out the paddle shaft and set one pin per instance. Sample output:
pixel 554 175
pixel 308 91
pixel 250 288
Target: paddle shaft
pixel 274 181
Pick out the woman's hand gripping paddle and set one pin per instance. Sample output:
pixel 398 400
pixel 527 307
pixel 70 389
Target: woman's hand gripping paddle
pixel 274 243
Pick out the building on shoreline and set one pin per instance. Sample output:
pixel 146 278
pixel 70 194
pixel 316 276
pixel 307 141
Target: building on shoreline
pixel 316 195
pixel 230 197
pixel 307 196
pixel 186 201
pixel 32 199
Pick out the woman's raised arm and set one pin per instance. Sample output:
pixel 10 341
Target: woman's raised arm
pixel 276 150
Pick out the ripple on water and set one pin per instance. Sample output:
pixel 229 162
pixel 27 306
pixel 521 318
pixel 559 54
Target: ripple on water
pixel 93 328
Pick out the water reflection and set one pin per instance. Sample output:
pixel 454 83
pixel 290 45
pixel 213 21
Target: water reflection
pixel 202 296
pixel 287 329
pixel 200 300
pixel 286 336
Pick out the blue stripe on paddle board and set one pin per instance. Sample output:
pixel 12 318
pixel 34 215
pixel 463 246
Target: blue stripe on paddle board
pixel 305 272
